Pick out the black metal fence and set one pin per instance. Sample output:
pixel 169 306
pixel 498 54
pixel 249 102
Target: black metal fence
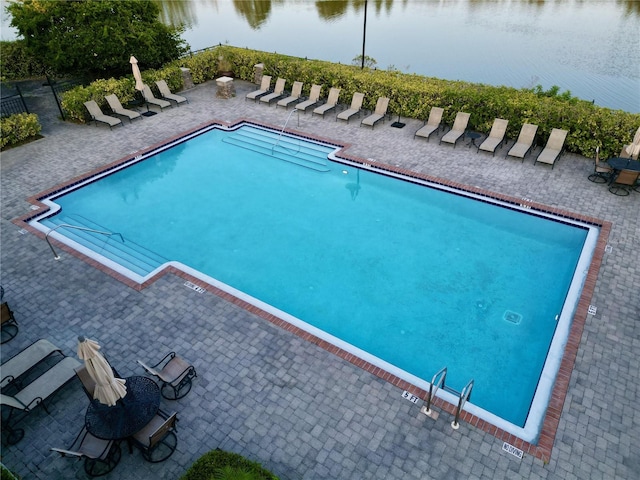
pixel 59 87
pixel 12 101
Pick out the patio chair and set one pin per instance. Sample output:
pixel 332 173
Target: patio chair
pixel 332 101
pixel 25 360
pixel 97 116
pixel 278 92
pixel 523 144
pixel 100 456
pixel 601 172
pixel 158 440
pixel 166 94
pixel 432 124
pixel 314 96
pixel 624 182
pixel 496 136
pixel 554 147
pixel 458 129
pixel 35 393
pixel 175 374
pixel 9 325
pixel 264 88
pixel 355 108
pixel 296 91
pixel 381 110
pixel 117 108
pixel 147 94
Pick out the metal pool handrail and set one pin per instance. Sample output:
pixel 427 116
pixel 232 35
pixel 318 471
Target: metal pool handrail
pixel 76 227
pixel 282 131
pixel 434 388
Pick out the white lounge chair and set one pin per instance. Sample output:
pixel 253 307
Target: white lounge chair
pixel 151 100
pixel 117 108
pixel 296 91
pixel 97 116
pixel 524 142
pixel 458 129
pixel 553 148
pixel 265 84
pixel 314 96
pixel 332 101
pixel 379 113
pixel 26 359
pixel 167 95
pixel 496 136
pixel 355 108
pixel 432 125
pixel 278 92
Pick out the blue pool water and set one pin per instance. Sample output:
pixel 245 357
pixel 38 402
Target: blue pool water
pixel 418 277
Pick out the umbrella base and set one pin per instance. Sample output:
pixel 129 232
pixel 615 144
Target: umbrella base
pixel 148 114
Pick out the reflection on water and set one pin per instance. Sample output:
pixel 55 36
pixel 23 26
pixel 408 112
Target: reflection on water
pixel 587 47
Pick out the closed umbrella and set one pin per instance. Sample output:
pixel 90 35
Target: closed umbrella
pixel 634 148
pixel 136 73
pixel 109 389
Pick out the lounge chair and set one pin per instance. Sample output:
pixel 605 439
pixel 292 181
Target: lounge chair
pixel 458 129
pixel 151 100
pixel 554 147
pixel 34 394
pixel 166 94
pixel 175 374
pixel 278 92
pixel 264 89
pixel 9 323
pixel 296 91
pixel 432 124
pixel 117 108
pixel 496 136
pixel 157 440
pixel 100 456
pixel 332 101
pixel 624 182
pixel 314 96
pixel 97 116
pixel 379 113
pixel 524 142
pixel 25 360
pixel 355 108
pixel 601 172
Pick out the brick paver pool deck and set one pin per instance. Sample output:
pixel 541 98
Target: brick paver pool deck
pixel 268 394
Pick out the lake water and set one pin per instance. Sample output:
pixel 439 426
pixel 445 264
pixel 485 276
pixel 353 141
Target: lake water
pixel 591 48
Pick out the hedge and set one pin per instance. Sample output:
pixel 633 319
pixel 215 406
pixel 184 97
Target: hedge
pixel 411 96
pixel 19 128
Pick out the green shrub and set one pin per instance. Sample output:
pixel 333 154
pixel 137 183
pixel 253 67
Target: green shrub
pixel 221 465
pixel 19 128
pixel 17 64
pixel 124 88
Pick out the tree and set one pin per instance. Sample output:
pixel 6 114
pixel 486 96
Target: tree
pixel 95 37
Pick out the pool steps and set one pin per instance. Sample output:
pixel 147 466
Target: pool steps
pixel 281 147
pixel 128 254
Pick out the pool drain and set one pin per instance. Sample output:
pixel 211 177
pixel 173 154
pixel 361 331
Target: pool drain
pixel 512 317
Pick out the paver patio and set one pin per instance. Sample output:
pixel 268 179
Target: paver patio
pixel 267 394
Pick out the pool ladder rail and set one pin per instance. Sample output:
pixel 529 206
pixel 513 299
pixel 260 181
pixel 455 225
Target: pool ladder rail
pixel 438 381
pixel 76 227
pixel 273 148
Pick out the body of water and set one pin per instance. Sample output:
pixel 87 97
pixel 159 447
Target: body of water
pixel 590 48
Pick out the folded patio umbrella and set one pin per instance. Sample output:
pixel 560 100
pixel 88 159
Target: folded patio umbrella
pixel 109 389
pixel 136 73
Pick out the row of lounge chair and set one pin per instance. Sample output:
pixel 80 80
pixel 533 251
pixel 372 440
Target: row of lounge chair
pixel 264 94
pixel 117 109
pixel 521 147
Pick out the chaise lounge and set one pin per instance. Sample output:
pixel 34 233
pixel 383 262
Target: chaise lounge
pixel 264 89
pixel 166 94
pixel 97 116
pixel 117 108
pixel 332 101
pixel 496 136
pixel 432 124
pixel 379 113
pixel 355 108
pixel 458 129
pixel 277 93
pixel 151 100
pixel 296 91
pixel 554 147
pixel 523 144
pixel 314 96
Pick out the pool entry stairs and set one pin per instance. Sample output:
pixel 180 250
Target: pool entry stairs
pixel 282 147
pixel 108 244
pixel 438 381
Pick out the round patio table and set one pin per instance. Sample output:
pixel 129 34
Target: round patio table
pixel 129 415
pixel 618 163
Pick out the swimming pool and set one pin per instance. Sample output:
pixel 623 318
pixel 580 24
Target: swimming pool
pixel 421 261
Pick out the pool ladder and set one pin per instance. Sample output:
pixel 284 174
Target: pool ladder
pixel 77 227
pixel 438 381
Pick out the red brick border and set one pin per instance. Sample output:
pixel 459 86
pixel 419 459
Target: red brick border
pixel 543 448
